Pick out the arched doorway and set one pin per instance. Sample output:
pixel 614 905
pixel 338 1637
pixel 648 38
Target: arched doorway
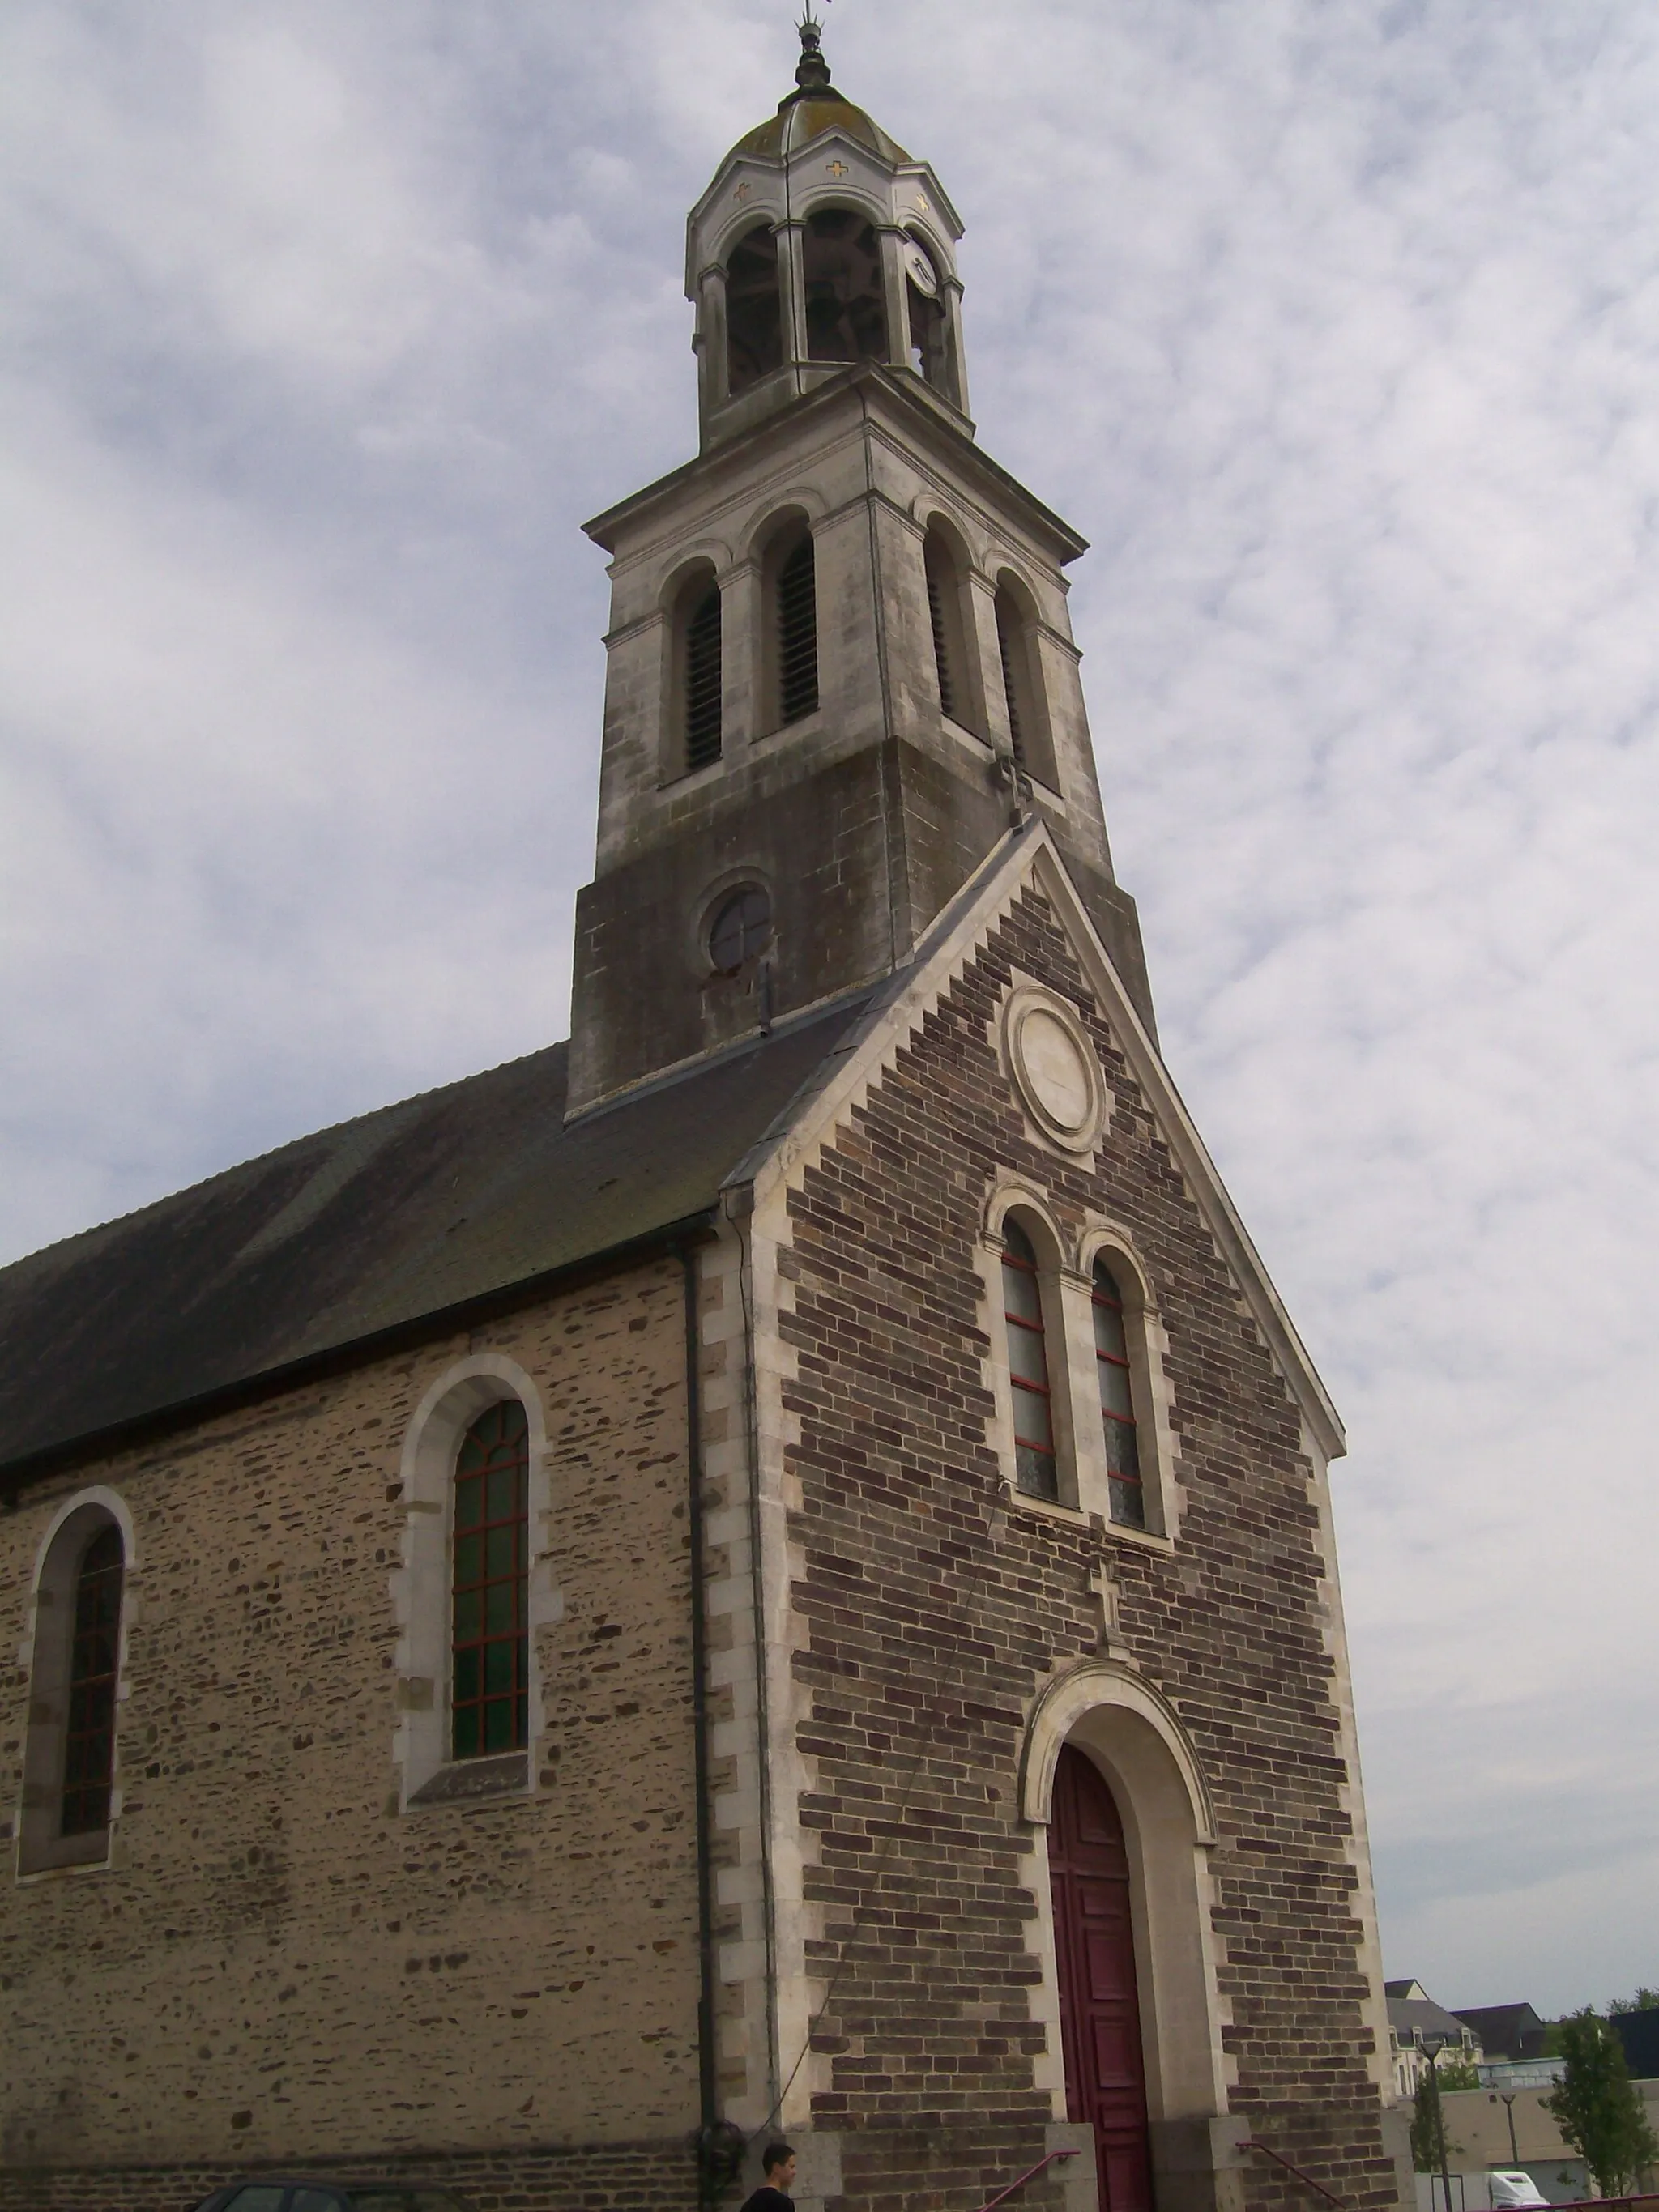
pixel 1099 2004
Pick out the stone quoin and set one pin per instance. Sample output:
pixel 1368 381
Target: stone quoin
pixel 769 1570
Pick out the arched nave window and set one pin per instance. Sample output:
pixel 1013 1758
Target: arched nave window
pixel 489 1672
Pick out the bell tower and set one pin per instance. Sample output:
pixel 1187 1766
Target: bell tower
pixel 839 666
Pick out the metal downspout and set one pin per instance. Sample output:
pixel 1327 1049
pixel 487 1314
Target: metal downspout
pixel 707 2057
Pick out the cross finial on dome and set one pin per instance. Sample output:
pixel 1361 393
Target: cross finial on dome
pixel 812 72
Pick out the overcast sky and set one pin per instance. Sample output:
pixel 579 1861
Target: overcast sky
pixel 1334 325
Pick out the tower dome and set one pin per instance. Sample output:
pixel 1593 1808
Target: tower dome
pixel 820 244
pixel 812 108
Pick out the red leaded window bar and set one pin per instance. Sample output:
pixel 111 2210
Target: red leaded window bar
pixel 489 1701
pixel 1117 1410
pixel 95 1661
pixel 1035 1471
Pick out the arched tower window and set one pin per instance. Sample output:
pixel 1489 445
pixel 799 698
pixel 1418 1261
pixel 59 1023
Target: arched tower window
pixel 845 298
pixel 929 330
pixel 1034 1468
pixel 754 310
pixel 489 1680
pixel 951 661
pixel 795 612
pixel 1027 720
pixel 95 1664
pixel 699 674
pixel 1117 1412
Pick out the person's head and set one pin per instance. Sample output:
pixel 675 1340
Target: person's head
pixel 778 2163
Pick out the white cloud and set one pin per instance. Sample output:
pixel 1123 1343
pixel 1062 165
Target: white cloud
pixel 1335 328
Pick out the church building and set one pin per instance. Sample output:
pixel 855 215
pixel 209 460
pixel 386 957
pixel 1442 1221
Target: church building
pixel 766 1570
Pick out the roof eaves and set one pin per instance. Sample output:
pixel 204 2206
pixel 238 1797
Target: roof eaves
pixel 350 1351
pixel 953 432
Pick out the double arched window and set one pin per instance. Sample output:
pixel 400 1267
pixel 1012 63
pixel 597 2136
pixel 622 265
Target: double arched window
pixel 69 1759
pixel 1070 1339
pixel 490 1666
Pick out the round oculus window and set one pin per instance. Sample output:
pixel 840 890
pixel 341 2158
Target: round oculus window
pixel 1055 1069
pixel 740 929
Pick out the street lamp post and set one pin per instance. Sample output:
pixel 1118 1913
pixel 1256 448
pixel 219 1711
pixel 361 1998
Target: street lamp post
pixel 1433 2045
pixel 1507 2096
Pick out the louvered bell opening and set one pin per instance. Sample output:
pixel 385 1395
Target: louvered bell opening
pixel 798 634
pixel 702 681
pixel 941 643
pixel 1007 647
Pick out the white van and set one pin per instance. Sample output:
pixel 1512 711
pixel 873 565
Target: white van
pixel 1510 2186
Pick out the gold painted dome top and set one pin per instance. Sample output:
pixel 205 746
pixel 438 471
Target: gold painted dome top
pixel 812 108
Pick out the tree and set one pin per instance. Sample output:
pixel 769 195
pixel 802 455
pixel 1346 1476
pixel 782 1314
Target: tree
pixel 1645 2000
pixel 1459 2074
pixel 1426 2142
pixel 1596 2108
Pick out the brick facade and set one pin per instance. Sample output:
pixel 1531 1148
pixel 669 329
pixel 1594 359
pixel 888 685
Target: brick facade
pixel 935 1607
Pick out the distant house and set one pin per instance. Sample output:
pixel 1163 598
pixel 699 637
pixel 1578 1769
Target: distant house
pixel 1417 2027
pixel 1639 2033
pixel 1511 2031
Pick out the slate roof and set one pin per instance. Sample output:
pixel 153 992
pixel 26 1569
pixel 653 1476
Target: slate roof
pixel 1410 2018
pixel 364 1232
pixel 1511 2031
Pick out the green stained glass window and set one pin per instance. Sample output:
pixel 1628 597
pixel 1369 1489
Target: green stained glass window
pixel 95 1661
pixel 489 1693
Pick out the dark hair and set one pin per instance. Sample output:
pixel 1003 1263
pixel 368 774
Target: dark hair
pixel 775 2154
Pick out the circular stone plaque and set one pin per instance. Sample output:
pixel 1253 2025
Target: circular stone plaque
pixel 1057 1073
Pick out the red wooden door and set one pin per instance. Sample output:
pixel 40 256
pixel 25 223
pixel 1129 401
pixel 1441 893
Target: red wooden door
pixel 1099 2008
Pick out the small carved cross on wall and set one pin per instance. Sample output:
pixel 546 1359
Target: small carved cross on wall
pixel 837 168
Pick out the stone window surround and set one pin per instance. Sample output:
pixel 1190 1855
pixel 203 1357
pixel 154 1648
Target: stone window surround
pixel 1066 1270
pixel 987 565
pixel 45 1658
pixel 427 1776
pixel 683 592
pixel 741 565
